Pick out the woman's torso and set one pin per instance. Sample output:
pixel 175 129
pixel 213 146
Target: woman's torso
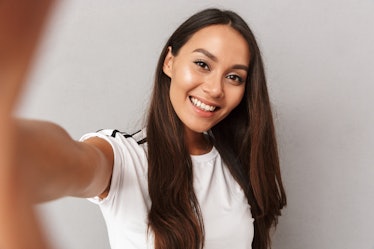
pixel 226 213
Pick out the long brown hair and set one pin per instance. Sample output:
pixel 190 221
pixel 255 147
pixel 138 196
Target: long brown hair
pixel 245 139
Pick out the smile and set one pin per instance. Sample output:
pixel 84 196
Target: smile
pixel 201 105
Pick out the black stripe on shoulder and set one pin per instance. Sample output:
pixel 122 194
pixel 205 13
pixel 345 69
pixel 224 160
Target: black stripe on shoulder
pixel 125 134
pixel 114 133
pixel 139 139
pixel 144 140
pixel 136 133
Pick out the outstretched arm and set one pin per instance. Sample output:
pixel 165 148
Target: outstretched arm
pixel 38 160
pixel 19 227
pixel 20 25
pixel 54 165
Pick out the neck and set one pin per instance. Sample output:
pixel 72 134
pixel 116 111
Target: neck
pixel 197 143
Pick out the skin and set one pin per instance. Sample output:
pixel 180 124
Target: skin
pixel 33 161
pixel 211 68
pixel 20 27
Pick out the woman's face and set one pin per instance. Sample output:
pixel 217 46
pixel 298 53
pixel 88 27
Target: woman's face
pixel 208 76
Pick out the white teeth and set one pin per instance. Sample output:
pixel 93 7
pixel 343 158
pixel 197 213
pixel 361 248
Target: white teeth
pixel 202 106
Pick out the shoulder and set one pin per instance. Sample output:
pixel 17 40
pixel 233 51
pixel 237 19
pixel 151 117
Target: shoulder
pixel 129 156
pixel 119 138
pixel 125 146
pixel 140 136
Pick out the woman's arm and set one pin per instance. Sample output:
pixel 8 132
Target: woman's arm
pixel 20 25
pixel 19 227
pixel 54 165
pixel 38 160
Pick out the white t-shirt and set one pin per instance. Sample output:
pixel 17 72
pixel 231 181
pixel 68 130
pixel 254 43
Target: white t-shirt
pixel 226 213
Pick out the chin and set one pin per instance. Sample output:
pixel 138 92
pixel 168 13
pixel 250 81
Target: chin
pixel 199 129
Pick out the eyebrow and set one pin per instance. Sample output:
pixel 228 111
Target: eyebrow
pixel 215 59
pixel 206 53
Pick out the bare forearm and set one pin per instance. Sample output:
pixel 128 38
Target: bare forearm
pixel 54 165
pixel 20 227
pixel 19 224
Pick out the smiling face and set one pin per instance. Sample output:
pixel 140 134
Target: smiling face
pixel 208 76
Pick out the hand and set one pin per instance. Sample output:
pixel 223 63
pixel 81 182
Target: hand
pixel 20 27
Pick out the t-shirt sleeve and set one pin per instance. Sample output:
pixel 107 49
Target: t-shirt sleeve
pixel 117 174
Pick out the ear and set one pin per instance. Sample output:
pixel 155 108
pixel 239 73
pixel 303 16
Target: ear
pixel 168 63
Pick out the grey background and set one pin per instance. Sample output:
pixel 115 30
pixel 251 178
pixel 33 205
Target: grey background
pixel 95 70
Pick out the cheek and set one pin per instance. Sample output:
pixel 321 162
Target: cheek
pixel 236 98
pixel 184 78
pixel 181 83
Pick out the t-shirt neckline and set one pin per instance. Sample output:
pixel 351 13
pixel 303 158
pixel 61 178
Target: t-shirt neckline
pixel 205 157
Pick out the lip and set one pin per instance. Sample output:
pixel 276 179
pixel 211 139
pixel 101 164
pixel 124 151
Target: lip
pixel 202 112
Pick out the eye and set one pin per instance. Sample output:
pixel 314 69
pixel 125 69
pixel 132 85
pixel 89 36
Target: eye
pixel 202 64
pixel 235 78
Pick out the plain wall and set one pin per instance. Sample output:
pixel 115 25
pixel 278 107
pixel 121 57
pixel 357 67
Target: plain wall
pixel 96 67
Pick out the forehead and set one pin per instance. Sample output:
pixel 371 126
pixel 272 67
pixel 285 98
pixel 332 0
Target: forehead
pixel 220 40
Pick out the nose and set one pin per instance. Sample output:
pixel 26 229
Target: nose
pixel 213 86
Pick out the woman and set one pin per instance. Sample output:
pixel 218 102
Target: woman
pixel 204 172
